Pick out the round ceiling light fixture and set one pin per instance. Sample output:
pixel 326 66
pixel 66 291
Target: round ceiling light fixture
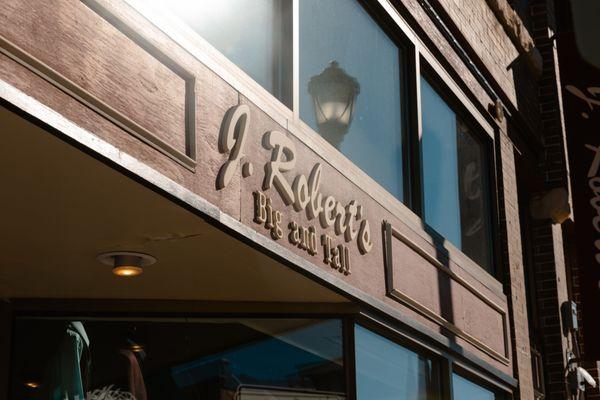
pixel 126 263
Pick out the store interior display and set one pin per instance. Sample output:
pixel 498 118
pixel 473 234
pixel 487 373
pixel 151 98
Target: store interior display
pixel 221 359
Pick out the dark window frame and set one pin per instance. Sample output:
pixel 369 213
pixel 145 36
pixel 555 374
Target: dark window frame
pixel 476 379
pixel 447 361
pixel 408 67
pixel 119 311
pixel 436 358
pixel 440 85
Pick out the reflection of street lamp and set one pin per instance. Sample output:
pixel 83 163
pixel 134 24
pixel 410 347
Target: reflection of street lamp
pixel 333 92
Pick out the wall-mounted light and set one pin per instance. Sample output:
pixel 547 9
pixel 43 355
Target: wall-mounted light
pixel 333 92
pixel 126 263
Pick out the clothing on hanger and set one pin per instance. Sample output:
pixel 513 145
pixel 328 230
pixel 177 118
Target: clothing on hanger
pixel 137 386
pixel 65 375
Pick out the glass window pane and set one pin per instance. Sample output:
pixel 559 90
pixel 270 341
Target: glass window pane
pixel 464 389
pixel 386 370
pixel 255 34
pixel 369 130
pixel 440 165
pixel 204 359
pixel 474 197
pixel 456 192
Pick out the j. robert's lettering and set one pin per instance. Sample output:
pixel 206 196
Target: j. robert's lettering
pixel 304 194
pixel 265 214
pixel 304 238
pixel 337 256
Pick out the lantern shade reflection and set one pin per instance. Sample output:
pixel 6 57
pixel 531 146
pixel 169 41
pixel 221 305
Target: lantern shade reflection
pixel 334 93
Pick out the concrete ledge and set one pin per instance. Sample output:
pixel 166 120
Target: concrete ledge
pixel 516 31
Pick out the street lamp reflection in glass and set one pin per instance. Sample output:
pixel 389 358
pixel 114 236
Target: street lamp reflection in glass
pixel 333 92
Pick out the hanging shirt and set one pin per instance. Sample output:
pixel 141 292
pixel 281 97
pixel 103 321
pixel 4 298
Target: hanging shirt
pixel 65 378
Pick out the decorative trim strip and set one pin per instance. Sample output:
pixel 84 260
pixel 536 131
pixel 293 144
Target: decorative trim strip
pixel 47 116
pixel 187 159
pixel 390 233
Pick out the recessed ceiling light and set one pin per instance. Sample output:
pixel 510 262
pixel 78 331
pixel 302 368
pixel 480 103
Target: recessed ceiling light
pixel 126 263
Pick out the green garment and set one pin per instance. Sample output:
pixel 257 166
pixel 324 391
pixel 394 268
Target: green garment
pixel 65 380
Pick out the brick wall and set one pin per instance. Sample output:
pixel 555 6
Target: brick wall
pixel 540 102
pixel 514 277
pixel 556 157
pixel 550 290
pixel 487 38
pixel 547 238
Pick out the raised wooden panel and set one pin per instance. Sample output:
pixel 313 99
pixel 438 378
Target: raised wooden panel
pixel 97 59
pixel 425 282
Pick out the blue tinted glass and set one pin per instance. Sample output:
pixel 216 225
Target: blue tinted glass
pixel 254 34
pixel 385 370
pixel 440 165
pixel 342 31
pixel 456 192
pixel 467 390
pixel 282 359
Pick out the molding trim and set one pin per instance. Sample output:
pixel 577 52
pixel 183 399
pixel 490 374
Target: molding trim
pixel 110 154
pixel 187 159
pixel 390 233
pixel 37 307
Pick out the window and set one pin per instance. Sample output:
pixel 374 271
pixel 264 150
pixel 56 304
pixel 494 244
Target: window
pixel 210 358
pixel 255 34
pixel 218 358
pixel 354 85
pixel 386 370
pixel 456 193
pixel 464 389
pixel 342 31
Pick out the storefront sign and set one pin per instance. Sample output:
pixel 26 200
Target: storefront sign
pixel 302 193
pixel 581 99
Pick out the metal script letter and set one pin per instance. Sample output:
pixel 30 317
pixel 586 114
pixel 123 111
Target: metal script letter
pixel 282 160
pixel 232 138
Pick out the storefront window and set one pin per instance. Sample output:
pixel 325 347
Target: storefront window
pixel 220 359
pixel 254 34
pixel 456 192
pixel 350 87
pixel 464 389
pixel 386 370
